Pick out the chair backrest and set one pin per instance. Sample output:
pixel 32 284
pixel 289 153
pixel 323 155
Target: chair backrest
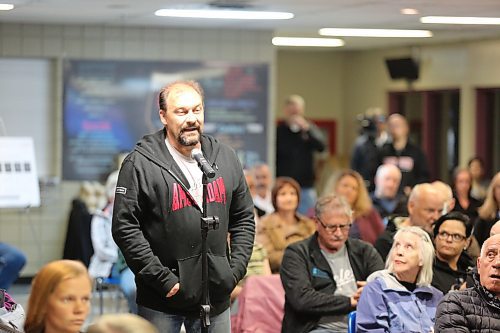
pixel 351 322
pixel 260 305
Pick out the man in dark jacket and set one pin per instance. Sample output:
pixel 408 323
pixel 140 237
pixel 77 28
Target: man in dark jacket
pixel 157 214
pixel 323 276
pixel 296 141
pixel 475 309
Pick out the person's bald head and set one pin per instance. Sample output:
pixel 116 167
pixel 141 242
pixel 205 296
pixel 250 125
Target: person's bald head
pixel 495 229
pixel 424 206
pixel 387 180
pixel 294 106
pixel 488 265
pixel 445 195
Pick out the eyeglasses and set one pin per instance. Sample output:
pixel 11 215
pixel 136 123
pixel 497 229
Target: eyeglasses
pixel 443 235
pixel 333 228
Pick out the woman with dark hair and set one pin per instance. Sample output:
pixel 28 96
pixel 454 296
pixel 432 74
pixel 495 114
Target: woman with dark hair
pixel 452 234
pixel 277 230
pixel 462 185
pixel 479 182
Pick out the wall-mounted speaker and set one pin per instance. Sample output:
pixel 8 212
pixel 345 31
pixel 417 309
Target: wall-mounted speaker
pixel 402 68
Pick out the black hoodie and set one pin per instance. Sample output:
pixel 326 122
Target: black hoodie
pixel 156 224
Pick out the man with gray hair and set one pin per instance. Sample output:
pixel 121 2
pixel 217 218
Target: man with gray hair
pixel 476 309
pixel 323 275
pixel 386 199
pixel 423 208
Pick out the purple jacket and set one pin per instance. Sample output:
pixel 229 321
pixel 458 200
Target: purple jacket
pixel 387 306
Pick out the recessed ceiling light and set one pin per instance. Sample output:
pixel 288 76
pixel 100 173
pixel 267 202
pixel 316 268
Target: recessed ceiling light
pixel 409 11
pixel 342 32
pixel 224 14
pixel 460 20
pixel 303 41
pixel 6 6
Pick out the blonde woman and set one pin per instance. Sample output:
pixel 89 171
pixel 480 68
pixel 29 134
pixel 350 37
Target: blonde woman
pixel 401 298
pixel 60 298
pixel 367 224
pixel 489 212
pixel 121 323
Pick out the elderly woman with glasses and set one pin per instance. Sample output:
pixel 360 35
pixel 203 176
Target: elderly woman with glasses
pixel 401 298
pixel 451 237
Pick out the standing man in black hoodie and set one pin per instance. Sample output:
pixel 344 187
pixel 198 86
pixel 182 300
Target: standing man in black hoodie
pixel 156 221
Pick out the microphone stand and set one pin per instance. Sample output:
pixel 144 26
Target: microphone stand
pixel 207 223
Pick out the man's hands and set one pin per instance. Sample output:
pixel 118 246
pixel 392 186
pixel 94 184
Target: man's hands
pixel 357 295
pixel 300 122
pixel 174 290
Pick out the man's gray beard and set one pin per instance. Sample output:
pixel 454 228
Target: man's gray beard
pixel 188 143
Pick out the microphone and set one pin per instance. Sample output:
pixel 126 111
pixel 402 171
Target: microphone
pixel 202 163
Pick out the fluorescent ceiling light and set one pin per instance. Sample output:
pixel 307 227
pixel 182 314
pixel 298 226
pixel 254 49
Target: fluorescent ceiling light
pixel 302 41
pixel 409 11
pixel 6 6
pixel 374 32
pixel 460 20
pixel 224 14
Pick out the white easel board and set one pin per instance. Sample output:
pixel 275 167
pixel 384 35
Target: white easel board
pixel 18 176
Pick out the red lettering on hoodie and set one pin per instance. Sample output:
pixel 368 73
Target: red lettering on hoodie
pixel 175 197
pixel 210 192
pixel 179 198
pixel 222 189
pixel 216 192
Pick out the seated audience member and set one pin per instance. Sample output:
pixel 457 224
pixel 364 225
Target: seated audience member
pixel 479 182
pixel 423 208
pixel 105 249
pixel 121 323
pixel 401 298
pixel 285 226
pixel 323 276
pixel 59 299
pixel 445 196
pixel 367 224
pixel 476 309
pixel 12 262
pixel 262 195
pixel 489 212
pixel 386 199
pixel 451 234
pixel 464 202
pixel 12 314
pixel 495 230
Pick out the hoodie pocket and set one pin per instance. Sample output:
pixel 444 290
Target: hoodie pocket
pixel 221 278
pixel 190 279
